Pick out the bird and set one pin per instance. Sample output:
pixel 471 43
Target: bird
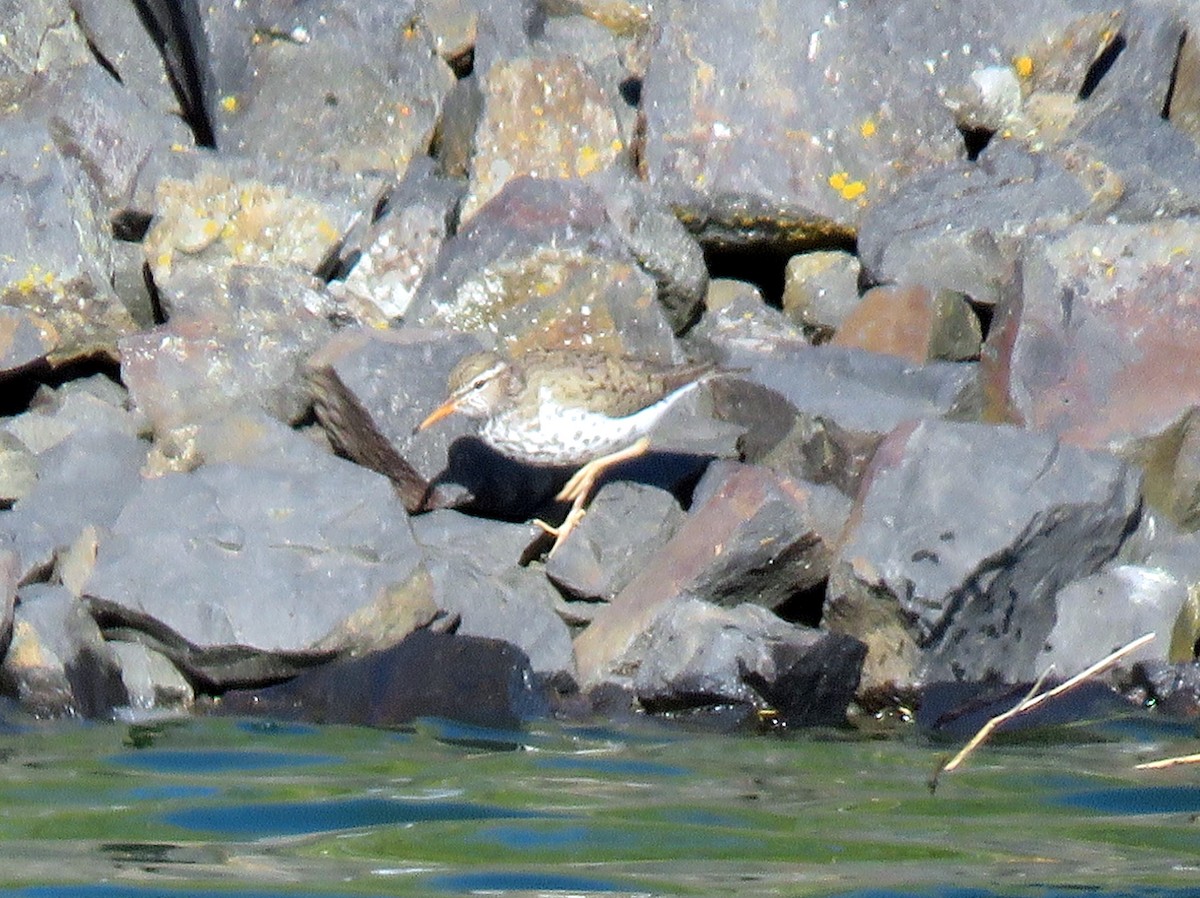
pixel 567 407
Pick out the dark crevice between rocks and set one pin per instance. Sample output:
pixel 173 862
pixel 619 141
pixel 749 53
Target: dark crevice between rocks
pixel 1166 107
pixel 130 226
pixel 104 61
pixel 975 140
pixel 462 64
pixel 1100 68
pixel 804 607
pixel 18 391
pixel 631 91
pixel 765 267
pixel 156 306
pixel 167 25
pixel 984 312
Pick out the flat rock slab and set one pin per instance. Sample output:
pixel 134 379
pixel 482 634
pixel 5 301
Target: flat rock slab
pixel 962 536
pixel 754 539
pixel 1098 347
pixel 243 572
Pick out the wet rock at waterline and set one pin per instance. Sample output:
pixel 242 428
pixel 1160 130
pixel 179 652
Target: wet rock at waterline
pixel 961 538
pixel 484 682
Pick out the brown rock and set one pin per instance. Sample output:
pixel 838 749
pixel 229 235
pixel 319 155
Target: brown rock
pixel 754 539
pixel 913 323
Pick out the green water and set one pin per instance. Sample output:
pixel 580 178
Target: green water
pixel 222 807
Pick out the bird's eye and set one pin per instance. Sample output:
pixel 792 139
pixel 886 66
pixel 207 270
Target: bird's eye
pixel 478 385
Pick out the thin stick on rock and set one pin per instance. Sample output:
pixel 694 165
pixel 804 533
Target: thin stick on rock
pixel 1035 698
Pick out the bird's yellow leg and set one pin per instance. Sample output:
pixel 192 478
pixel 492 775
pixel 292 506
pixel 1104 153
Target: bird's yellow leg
pixel 582 481
pixel 563 530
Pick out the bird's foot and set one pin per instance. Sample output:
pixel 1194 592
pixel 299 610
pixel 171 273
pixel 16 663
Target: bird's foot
pixel 563 530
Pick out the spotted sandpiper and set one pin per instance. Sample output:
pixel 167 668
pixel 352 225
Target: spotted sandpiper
pixel 567 407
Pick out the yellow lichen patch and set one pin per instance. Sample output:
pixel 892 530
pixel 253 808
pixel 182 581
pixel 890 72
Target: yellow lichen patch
pixel 35 278
pixel 229 103
pixel 1023 66
pixel 849 190
pixel 587 160
pixel 867 128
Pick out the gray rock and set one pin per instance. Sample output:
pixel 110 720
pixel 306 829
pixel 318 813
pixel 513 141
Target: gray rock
pixel 542 266
pixel 90 403
pixel 43 36
pixel 818 413
pixel 820 289
pixel 1100 613
pixel 542 118
pixel 117 34
pixel 58 664
pixel 962 536
pixel 237 341
pixel 25 339
pixel 661 244
pixel 83 480
pixel 494 596
pixel 962 227
pixel 107 127
pixel 401 247
pixel 755 539
pixel 625 524
pixel 245 572
pixel 18 470
pixel 56 249
pixel 354 86
pixel 749 324
pixel 697 654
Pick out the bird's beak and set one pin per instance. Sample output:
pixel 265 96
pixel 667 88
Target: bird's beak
pixel 447 408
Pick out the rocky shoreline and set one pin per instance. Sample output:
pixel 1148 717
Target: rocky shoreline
pixel 951 257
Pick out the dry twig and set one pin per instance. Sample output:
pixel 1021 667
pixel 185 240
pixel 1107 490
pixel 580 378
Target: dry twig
pixel 1035 698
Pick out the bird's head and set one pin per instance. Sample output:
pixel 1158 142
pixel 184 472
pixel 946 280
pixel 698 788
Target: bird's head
pixel 477 385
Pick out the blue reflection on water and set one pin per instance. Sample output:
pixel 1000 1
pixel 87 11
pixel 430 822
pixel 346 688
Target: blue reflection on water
pixel 198 761
pixel 1135 800
pixel 524 882
pixel 613 766
pixel 300 817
